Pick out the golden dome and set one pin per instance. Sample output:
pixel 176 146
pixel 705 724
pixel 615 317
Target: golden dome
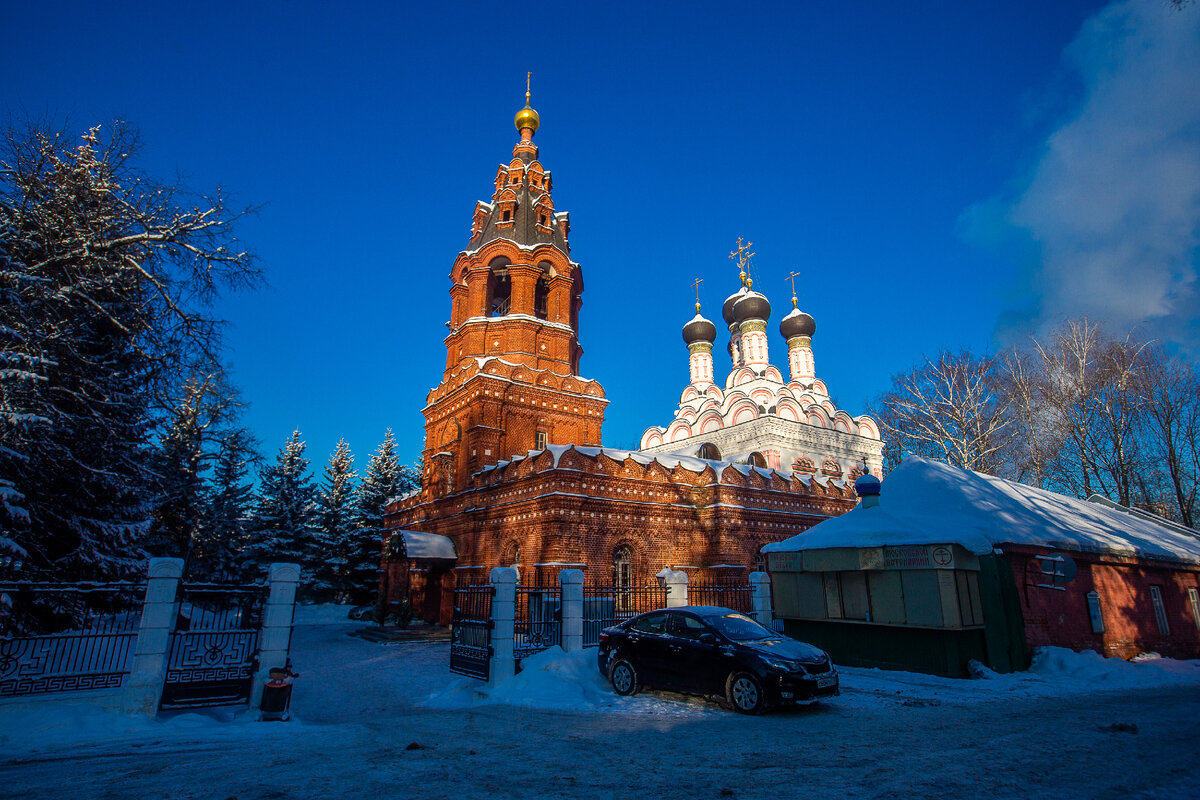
pixel 527 118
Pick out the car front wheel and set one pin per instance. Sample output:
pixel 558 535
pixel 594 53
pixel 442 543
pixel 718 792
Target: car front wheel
pixel 623 677
pixel 745 693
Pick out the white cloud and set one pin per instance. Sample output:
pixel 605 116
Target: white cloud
pixel 1114 202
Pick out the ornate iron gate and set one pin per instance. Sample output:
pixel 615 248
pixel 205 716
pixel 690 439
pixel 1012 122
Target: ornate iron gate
pixel 214 646
pixel 471 639
pixel 57 637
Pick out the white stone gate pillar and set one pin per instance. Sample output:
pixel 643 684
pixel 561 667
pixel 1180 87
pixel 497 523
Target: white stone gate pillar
pixel 570 582
pixel 142 688
pixel 276 634
pixel 676 582
pixel 760 598
pixel 502 665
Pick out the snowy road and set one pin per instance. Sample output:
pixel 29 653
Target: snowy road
pixel 889 734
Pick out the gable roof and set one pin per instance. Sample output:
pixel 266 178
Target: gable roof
pixel 927 502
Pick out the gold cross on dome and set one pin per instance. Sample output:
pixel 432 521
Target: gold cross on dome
pixel 696 285
pixel 742 257
pixel 792 278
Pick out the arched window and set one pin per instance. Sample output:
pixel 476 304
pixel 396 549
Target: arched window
pixel 499 288
pixel 709 451
pixel 757 459
pixel 623 577
pixel 511 557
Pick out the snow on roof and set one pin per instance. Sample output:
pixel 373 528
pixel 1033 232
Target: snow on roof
pixel 926 502
pixel 418 544
pixel 667 460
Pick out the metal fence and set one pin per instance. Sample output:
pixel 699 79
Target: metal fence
pixel 471 631
pixel 537 624
pixel 58 637
pixel 720 594
pixel 214 645
pixel 604 606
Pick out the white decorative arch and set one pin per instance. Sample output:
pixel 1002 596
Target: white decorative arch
pixel 742 411
pixel 679 429
pixel 652 437
pixel 867 427
pixel 787 408
pixel 711 422
pixel 817 416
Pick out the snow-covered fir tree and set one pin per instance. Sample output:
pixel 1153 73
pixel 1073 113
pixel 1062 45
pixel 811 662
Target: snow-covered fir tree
pixel 224 534
pixel 103 269
pixel 285 520
pixel 337 517
pixel 385 478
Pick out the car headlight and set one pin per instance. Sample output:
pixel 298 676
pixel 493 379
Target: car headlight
pixel 780 664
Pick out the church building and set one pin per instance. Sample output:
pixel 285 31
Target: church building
pixel 758 418
pixel 514 471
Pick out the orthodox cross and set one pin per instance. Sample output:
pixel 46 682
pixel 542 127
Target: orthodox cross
pixel 528 75
pixel 792 278
pixel 696 286
pixel 742 257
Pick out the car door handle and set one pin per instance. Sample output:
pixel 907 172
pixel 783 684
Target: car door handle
pixel 676 648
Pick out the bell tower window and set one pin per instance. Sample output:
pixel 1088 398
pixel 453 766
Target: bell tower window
pixel 541 298
pixel 499 289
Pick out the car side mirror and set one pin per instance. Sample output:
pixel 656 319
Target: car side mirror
pixel 708 638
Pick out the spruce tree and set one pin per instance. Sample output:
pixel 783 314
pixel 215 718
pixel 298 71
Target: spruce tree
pixel 219 552
pixel 285 520
pixel 385 478
pixel 337 516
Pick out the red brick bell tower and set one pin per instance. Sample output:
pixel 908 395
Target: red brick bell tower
pixel 512 355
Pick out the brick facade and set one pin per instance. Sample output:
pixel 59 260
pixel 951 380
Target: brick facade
pixel 1061 617
pixel 579 506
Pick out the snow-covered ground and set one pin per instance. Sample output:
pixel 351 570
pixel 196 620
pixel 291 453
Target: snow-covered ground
pixel 376 720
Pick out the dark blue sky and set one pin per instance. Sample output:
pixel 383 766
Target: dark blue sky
pixel 902 157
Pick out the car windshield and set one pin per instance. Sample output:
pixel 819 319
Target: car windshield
pixel 740 628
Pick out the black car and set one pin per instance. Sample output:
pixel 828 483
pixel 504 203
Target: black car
pixel 710 650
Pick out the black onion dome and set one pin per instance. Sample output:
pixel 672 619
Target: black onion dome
pixel 797 323
pixel 752 306
pixel 699 330
pixel 730 302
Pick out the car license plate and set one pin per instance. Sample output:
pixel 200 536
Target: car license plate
pixel 825 681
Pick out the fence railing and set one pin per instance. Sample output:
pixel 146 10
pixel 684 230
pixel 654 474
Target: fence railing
pixel 720 594
pixel 605 606
pixel 58 637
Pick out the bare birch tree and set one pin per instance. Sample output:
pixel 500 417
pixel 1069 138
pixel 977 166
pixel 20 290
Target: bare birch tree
pixel 1171 388
pixel 1090 402
pixel 949 409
